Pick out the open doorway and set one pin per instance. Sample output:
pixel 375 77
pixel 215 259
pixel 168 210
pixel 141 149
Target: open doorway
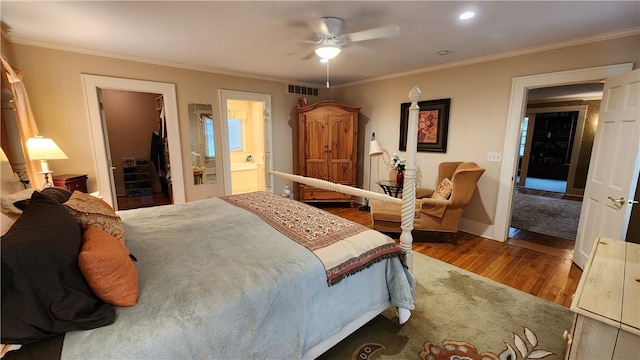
pixel 553 160
pixel 137 146
pixel 247 144
pixel 104 164
pixel 520 89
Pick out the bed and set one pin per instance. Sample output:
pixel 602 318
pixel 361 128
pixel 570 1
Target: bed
pixel 244 276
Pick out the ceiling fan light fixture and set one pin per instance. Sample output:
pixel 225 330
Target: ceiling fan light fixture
pixel 467 15
pixel 328 52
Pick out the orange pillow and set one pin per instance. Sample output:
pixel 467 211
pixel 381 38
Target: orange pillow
pixel 107 267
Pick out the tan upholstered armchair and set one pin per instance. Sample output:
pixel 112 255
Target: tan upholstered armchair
pixel 432 214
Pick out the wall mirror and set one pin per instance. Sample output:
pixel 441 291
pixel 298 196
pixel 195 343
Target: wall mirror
pixel 203 150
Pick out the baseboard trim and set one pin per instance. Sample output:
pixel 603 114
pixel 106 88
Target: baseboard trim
pixel 477 228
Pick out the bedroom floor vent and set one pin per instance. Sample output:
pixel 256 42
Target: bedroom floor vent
pixel 302 90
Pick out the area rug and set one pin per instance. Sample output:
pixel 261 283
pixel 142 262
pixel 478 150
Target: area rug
pixel 461 315
pixel 546 215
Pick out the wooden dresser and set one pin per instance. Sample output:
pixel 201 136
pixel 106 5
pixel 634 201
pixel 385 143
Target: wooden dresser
pixel 71 182
pixel 607 304
pixel 328 140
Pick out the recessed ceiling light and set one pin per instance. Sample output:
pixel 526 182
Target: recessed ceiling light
pixel 466 15
pixel 443 52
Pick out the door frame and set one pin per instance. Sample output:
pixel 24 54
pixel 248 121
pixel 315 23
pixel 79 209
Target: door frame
pixel 517 110
pixel 104 175
pixel 225 95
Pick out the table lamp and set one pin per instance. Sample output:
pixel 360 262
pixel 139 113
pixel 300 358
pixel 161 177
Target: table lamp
pixel 43 149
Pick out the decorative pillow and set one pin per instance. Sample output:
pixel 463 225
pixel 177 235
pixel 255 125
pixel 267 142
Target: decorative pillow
pixel 443 191
pixel 43 291
pixel 90 210
pixel 61 195
pixel 58 194
pixel 105 263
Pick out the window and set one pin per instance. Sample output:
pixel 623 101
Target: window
pixel 235 134
pixel 523 137
pixel 207 130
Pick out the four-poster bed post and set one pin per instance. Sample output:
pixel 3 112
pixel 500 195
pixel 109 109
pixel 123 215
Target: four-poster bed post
pixel 409 185
pixel 408 200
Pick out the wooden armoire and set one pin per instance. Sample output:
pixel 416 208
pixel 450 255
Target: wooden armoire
pixel 328 141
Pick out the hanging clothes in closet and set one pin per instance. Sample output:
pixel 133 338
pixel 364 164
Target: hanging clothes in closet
pixel 160 149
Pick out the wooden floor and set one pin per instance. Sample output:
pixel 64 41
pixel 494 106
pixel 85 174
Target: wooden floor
pixel 134 202
pixel 537 264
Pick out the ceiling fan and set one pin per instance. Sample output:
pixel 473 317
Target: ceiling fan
pixel 330 40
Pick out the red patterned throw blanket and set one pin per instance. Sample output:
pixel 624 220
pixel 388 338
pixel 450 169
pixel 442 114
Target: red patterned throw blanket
pixel 342 246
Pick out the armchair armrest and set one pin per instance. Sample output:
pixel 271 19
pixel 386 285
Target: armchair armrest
pixel 433 207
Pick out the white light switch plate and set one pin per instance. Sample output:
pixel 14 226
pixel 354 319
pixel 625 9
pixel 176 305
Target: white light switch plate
pixel 494 157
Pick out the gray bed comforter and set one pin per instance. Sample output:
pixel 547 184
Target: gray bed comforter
pixel 217 282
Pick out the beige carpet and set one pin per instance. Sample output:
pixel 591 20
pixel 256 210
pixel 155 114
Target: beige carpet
pixel 460 315
pixel 546 215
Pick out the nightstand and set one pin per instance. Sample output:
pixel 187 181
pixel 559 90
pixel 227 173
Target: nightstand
pixel 71 182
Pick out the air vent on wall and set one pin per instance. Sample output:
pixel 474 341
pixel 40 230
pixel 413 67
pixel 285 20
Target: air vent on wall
pixel 302 90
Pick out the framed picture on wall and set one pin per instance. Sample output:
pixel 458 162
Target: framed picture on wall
pixel 433 123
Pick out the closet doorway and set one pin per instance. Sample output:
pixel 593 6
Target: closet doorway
pixel 104 162
pixel 137 147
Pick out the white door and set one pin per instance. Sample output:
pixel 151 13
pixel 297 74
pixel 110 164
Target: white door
pixel 107 150
pixel 615 162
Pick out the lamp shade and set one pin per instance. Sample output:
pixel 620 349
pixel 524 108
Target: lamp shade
pixel 328 52
pixel 374 148
pixel 41 148
pixel 3 156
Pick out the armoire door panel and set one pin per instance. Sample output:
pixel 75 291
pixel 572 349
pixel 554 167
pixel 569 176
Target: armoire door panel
pixel 328 133
pixel 341 172
pixel 317 169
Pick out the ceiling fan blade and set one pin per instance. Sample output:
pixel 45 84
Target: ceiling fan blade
pixel 318 26
pixel 309 55
pixel 323 28
pixel 375 33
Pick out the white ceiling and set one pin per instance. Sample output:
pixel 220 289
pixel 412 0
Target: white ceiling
pixel 266 39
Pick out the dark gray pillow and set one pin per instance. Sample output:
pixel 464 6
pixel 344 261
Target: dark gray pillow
pixel 60 195
pixel 43 291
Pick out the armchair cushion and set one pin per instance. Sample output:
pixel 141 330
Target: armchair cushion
pixel 434 207
pixel 422 193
